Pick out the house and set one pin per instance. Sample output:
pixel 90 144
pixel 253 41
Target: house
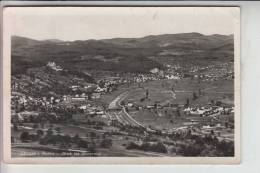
pixel 83 107
pixel 100 112
pixel 74 87
pixel 65 98
pixel 100 89
pixel 57 100
pixel 78 98
pixel 150 106
pixel 95 95
pixel 172 77
pixel 53 66
pixel 130 104
pixel 154 70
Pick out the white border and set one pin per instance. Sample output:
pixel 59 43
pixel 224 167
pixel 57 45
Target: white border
pixel 117 160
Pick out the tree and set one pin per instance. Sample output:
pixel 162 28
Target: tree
pixel 49 132
pixel 160 147
pixel 82 144
pixel 225 148
pixel 192 150
pixel 42 124
pixel 146 94
pixel 40 133
pixel 92 135
pixel 226 124
pixel 35 126
pixel 25 136
pixel 173 90
pixel 106 143
pixel 218 103
pixel 194 96
pixel 76 138
pixel 178 112
pixel 58 129
pixel 67 139
pixel 92 147
pixel 15 127
pixel 187 102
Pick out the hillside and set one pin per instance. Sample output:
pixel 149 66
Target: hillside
pixel 123 54
pixel 183 40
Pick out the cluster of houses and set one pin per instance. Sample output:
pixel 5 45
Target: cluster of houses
pixel 214 72
pixel 91 109
pixel 208 111
pixel 220 71
pixel 146 77
pixel 25 107
pixel 27 101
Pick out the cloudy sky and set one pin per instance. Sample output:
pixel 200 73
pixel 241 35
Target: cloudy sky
pixel 82 23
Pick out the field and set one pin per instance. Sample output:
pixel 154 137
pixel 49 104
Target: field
pixel 161 91
pixel 174 92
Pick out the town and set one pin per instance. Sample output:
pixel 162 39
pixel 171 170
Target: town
pixel 176 111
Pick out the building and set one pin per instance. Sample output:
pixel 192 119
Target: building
pixel 95 95
pixel 53 66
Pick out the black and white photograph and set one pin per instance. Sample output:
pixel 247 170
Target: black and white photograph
pixel 148 84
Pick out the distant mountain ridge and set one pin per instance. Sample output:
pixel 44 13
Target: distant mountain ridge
pixel 173 39
pixel 142 40
pixel 124 54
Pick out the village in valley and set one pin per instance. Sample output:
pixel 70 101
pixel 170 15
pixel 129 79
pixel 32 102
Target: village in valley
pixel 157 113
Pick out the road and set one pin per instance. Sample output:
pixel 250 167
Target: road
pixel 122 116
pixel 115 103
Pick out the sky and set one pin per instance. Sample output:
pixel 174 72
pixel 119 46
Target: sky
pixel 83 23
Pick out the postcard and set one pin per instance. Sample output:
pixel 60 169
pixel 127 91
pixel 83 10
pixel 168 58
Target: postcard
pixel 121 85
